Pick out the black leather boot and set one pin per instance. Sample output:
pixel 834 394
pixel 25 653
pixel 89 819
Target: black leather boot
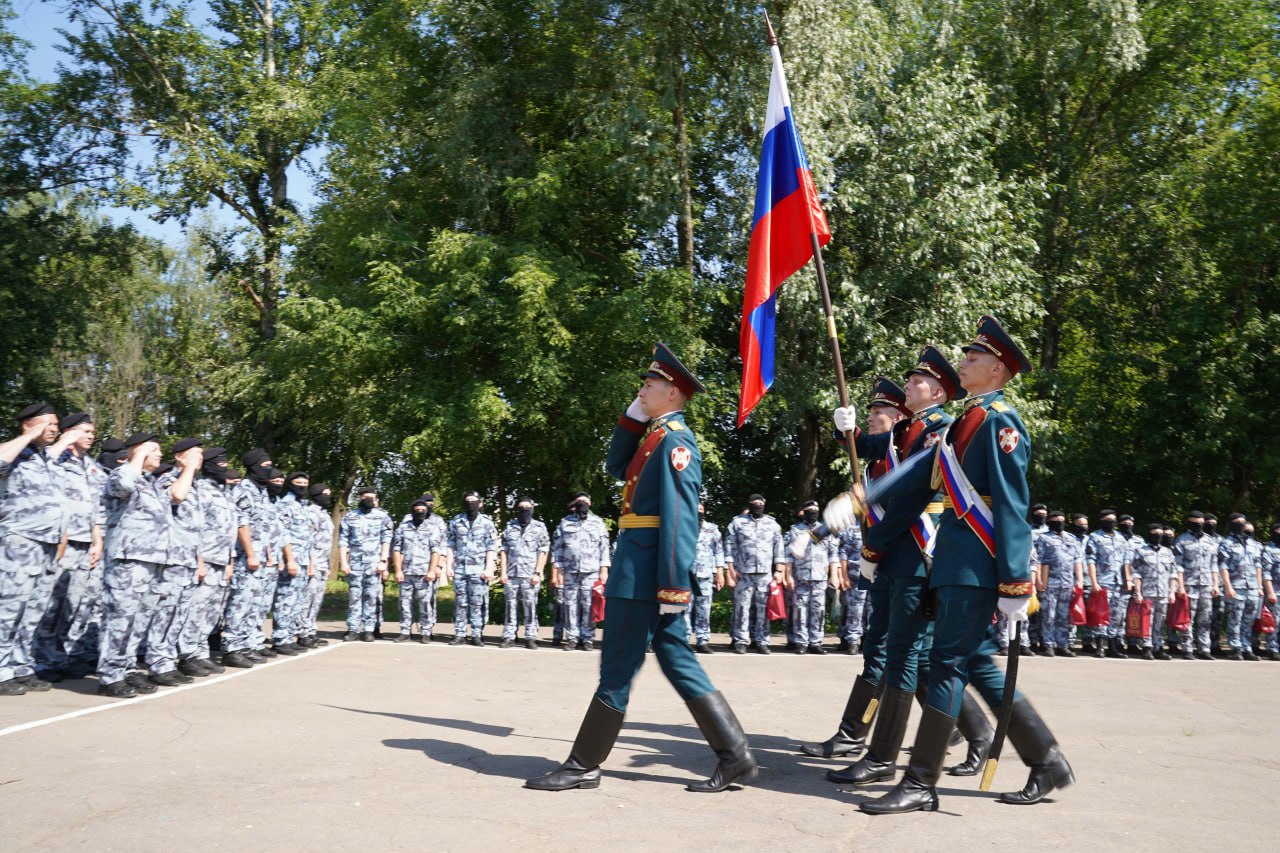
pixel 596 736
pixel 977 730
pixel 850 738
pixel 725 737
pixel 1039 751
pixel 922 696
pixel 881 761
pixel 917 791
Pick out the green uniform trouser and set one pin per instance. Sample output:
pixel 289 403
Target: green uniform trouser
pixel 630 626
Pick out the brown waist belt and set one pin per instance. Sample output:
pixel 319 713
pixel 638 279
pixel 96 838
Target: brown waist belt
pixel 630 521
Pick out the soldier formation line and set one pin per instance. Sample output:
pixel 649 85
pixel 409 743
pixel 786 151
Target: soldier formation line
pixel 147 574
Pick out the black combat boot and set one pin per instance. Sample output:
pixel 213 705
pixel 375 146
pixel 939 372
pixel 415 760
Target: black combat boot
pixel 917 791
pixel 596 736
pixel 881 761
pixel 727 740
pixel 1039 751
pixel 976 729
pixel 849 739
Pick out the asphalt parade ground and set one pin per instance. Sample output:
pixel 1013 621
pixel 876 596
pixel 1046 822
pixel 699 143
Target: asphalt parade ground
pixel 381 746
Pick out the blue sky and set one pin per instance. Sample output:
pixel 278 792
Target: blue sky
pixel 37 23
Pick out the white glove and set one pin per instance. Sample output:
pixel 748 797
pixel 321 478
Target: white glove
pixel 1015 609
pixel 636 412
pixel 839 513
pixel 846 418
pixel 799 546
pixel 867 569
pixel 670 608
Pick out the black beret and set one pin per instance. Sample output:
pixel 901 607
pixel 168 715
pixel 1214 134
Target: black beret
pixel 1126 517
pixel 366 490
pixel 1195 513
pixel 293 475
pixel 577 495
pixel 808 504
pixel 470 493
pixel 1103 512
pixel 74 419
pixel 140 438
pixel 111 445
pixel 753 498
pixel 524 499
pixel 317 489
pixel 35 410
pixel 1036 507
pixel 418 502
pixel 161 470
pixel 214 453
pixel 428 497
pixel 182 445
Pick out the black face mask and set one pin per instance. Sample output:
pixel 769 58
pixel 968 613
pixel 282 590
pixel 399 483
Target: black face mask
pixel 297 490
pixel 366 504
pixel 810 516
pixel 260 474
pixel 1081 529
pixel 1275 537
pixel 524 515
pixel 1057 526
pixel 1126 528
pixel 1211 527
pixel 323 501
pixel 215 469
pixel 1195 527
pixel 1107 524
pixel 1237 528
pixel 1166 540
pixel 275 489
pixel 430 510
pixel 1154 539
pixel 582 509
pixel 419 514
pixel 111 460
pixel 756 510
pixel 473 508
pixel 1039 518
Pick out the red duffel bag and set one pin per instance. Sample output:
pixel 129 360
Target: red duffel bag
pixel 1179 618
pixel 1097 613
pixel 1077 612
pixel 777 608
pixel 1265 623
pixel 1137 619
pixel 597 602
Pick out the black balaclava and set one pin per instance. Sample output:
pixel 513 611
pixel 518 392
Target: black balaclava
pixel 581 504
pixel 430 500
pixel 1195 523
pixel 1275 534
pixel 1107 524
pixel 810 512
pixel 524 514
pixel 254 468
pixel 1126 525
pixel 1057 525
pixel 298 490
pixel 366 501
pixel 112 459
pixel 275 489
pixel 471 501
pixel 1080 528
pixel 1167 539
pixel 1237 524
pixel 318 496
pixel 755 506
pixel 1154 534
pixel 418 511
pixel 215 467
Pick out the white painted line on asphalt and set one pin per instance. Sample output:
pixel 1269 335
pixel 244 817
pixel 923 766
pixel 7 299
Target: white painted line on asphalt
pixel 169 691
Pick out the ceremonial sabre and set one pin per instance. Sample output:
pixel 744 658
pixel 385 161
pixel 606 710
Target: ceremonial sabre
pixel 1006 708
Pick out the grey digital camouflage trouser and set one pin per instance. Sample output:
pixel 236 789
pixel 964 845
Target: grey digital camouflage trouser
pixel 697 616
pixel 471 595
pixel 129 596
pixel 416 589
pixel 363 593
pixel 809 611
pixel 1241 611
pixel 1055 615
pixel 27 570
pixel 1201 600
pixel 173 611
pixel 855 607
pixel 578 624
pixel 241 632
pixel 203 600
pixel 314 599
pixel 1159 612
pixel 286 610
pixel 752 589
pixel 521 598
pixel 68 632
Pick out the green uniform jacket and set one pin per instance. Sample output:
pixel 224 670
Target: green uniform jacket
pixel 662 470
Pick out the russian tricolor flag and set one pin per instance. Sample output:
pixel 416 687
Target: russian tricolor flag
pixel 787 214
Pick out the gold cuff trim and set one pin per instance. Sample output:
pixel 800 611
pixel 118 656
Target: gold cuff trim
pixel 630 521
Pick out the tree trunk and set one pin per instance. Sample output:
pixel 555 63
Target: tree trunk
pixel 807 465
pixel 684 223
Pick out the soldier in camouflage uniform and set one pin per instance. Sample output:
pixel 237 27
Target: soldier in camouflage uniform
pixel 1060 569
pixel 138 550
pixel 66 643
pixel 1106 554
pixel 812 563
pixel 184 567
pixel 364 543
pixel 708 570
pixel 321 550
pixel 217 543
pixel 1241 586
pixel 1196 555
pixel 298 525
pixel 1155 580
pixel 1270 583
pixel 522 561
pixel 580 558
pixel 255 527
pixel 854 591
pixel 472 543
pixel 421 533
pixel 753 550
pixel 31 526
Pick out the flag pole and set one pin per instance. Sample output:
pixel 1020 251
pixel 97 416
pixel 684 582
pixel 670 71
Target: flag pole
pixel 833 339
